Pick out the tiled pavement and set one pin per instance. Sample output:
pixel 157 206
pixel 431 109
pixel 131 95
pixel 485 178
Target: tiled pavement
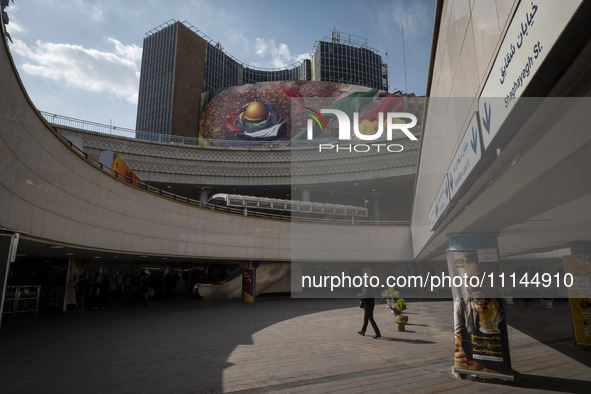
pixel 274 345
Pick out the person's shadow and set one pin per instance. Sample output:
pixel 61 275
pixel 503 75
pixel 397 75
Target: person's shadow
pixel 415 341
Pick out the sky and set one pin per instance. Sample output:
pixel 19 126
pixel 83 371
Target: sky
pixel 82 58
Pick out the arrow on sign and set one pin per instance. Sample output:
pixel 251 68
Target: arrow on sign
pixel 474 140
pixel 486 118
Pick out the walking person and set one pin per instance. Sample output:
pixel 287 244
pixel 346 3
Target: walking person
pixel 369 303
pixel 80 292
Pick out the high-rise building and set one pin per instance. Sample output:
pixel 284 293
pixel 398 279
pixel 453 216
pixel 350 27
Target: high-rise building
pixel 179 63
pixel 172 75
pixel 347 58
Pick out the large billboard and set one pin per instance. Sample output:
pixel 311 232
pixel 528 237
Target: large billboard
pixel 264 112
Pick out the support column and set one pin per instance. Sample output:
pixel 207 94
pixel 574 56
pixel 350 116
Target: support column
pixel 204 192
pixel 305 193
pixel 473 242
pixel 580 247
pixel 70 285
pixel 8 247
pixel 374 205
pixel 297 271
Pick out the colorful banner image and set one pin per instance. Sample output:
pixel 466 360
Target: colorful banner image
pixel 481 343
pixel 580 296
pixel 265 111
pixel 115 166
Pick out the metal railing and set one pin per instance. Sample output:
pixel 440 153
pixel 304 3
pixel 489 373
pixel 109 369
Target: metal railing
pixel 20 299
pixel 206 143
pixel 60 120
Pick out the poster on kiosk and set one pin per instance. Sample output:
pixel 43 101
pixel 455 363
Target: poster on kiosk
pixel 481 345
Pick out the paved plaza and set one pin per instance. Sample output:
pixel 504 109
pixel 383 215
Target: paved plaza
pixel 277 344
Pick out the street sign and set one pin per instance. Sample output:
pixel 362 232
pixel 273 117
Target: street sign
pixel 440 204
pixel 466 157
pixel 533 32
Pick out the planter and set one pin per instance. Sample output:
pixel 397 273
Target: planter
pixel 401 322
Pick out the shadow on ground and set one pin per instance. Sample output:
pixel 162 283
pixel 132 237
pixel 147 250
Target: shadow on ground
pixel 546 383
pixel 552 327
pixel 162 347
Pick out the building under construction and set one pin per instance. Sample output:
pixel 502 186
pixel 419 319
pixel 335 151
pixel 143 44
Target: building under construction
pixel 179 63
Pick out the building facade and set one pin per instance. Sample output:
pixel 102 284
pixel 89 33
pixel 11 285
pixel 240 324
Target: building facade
pixel 167 94
pixel 179 63
pixel 347 58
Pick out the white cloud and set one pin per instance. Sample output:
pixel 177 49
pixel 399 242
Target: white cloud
pixel 261 47
pixel 275 55
pixel 97 14
pixel 409 15
pixel 129 52
pixel 14 28
pixel 88 69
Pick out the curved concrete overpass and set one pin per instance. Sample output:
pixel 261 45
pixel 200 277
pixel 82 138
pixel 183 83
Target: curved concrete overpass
pixel 215 166
pixel 50 193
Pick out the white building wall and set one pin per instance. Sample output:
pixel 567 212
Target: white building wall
pixel 470 34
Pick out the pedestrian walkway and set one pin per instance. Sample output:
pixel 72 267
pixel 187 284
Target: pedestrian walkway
pixel 277 344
